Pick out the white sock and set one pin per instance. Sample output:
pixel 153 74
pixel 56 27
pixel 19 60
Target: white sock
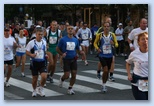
pixel 103 84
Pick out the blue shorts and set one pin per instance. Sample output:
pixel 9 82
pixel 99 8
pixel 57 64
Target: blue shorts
pixel 20 54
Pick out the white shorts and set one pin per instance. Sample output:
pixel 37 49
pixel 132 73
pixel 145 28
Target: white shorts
pixel 85 43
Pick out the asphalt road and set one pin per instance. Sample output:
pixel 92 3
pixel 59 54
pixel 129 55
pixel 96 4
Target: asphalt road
pixel 87 86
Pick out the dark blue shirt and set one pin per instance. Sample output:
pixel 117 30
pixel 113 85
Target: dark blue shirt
pixel 94 30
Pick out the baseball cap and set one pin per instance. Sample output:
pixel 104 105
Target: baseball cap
pixel 120 23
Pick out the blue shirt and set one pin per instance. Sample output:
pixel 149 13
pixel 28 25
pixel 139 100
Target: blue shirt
pixel 94 30
pixel 69 46
pixel 106 47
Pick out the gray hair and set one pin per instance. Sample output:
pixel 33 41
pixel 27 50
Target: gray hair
pixel 39 29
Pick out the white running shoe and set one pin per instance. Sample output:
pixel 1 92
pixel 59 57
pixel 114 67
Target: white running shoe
pixel 41 91
pixel 7 84
pixel 34 93
pixel 104 89
pixel 86 63
pixel 60 83
pixel 70 92
pixel 22 74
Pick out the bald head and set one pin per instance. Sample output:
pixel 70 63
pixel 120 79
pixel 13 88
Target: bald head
pixel 108 19
pixel 143 23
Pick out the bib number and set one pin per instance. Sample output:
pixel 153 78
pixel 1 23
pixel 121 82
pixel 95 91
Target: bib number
pixel 143 85
pixel 84 36
pixel 22 49
pixel 70 45
pixel 39 54
pixel 106 49
pixel 7 51
pixel 53 40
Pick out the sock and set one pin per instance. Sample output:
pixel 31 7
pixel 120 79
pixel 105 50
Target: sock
pixel 111 74
pixel 70 87
pixel 98 71
pixel 103 84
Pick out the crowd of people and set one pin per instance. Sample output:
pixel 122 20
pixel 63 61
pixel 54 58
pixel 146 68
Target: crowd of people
pixel 67 43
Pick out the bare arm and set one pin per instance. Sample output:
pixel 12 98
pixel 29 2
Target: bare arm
pixel 130 44
pixel 128 67
pixel 30 54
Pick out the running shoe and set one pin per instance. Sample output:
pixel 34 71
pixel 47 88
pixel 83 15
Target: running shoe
pixel 34 93
pixel 98 76
pixel 104 89
pixel 51 80
pixel 48 78
pixel 111 79
pixel 7 84
pixel 41 91
pixel 22 74
pixel 86 63
pixel 60 83
pixel 70 92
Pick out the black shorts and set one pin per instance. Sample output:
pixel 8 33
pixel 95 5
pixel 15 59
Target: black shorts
pixel 69 64
pixel 9 62
pixel 106 61
pixel 38 67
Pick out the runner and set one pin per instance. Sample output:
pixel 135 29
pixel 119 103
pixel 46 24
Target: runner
pixel 21 52
pixel 36 49
pixel 139 57
pixel 133 35
pixel 101 29
pixel 85 36
pixel 53 35
pixel 67 49
pixel 105 51
pixel 9 44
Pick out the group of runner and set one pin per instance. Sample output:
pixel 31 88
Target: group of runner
pixel 68 42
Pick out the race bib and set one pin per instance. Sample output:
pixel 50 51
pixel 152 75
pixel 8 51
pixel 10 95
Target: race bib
pixel 22 49
pixel 7 51
pixel 53 40
pixel 143 85
pixel 85 36
pixel 106 49
pixel 39 54
pixel 70 46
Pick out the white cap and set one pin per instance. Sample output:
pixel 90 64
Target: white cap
pixel 38 26
pixel 120 23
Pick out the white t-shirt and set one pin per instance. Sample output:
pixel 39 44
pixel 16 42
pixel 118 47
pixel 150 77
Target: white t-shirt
pixel 140 61
pixel 133 35
pixel 119 31
pixel 22 44
pixel 85 33
pixel 8 48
